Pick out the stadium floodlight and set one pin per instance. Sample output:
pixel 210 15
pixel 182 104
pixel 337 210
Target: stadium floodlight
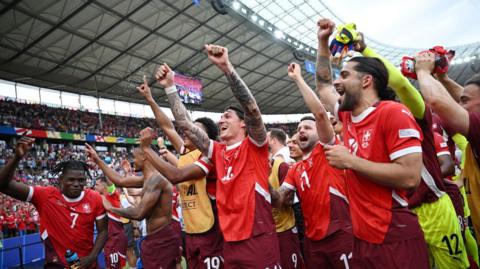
pixel 279 34
pixel 254 18
pixel 236 5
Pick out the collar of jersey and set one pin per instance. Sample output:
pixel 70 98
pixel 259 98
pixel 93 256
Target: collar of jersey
pixel 74 199
pixel 234 145
pixel 306 156
pixel 363 115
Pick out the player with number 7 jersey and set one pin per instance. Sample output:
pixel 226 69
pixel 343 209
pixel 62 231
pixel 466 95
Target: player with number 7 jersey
pixel 66 223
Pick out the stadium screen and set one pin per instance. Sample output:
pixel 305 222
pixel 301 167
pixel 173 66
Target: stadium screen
pixel 189 89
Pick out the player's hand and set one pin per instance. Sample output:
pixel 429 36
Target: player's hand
pixel 219 56
pixel 325 29
pixel 294 71
pixel 106 204
pixel 360 44
pixel 146 137
pixel 160 142
pixel 85 262
pixel 424 62
pixel 23 145
pixel 91 153
pixel 126 166
pixel 165 76
pixel 144 89
pixel 338 156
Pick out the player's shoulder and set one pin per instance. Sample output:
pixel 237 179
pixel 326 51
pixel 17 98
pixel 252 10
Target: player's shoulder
pixel 49 190
pixel 92 195
pixel 391 106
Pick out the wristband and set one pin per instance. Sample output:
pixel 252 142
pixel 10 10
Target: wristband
pixel 171 89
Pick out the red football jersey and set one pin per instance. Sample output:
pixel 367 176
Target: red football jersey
pixel 114 199
pixel 242 169
pixel 318 185
pixel 204 163
pixel 68 223
pixel 441 146
pixel 175 197
pixel 381 133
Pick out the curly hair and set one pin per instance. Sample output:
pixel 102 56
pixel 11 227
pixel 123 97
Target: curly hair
pixel 210 126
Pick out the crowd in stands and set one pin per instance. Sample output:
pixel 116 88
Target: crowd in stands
pixel 18 217
pixel 42 117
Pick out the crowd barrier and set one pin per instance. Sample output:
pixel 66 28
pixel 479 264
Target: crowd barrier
pixel 23 250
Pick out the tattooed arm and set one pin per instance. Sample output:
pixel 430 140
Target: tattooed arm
pixel 253 118
pixel 152 190
pixel 323 74
pixel 182 118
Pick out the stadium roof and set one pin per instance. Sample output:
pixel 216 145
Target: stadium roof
pixel 103 48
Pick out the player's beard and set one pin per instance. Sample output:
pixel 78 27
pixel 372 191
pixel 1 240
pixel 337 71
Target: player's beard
pixel 308 146
pixel 349 101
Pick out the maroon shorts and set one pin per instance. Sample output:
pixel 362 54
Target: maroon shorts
pixel 178 229
pixel 205 250
pixel 290 252
pixel 410 253
pixel 260 251
pixel 52 260
pixel 333 251
pixel 160 249
pixel 115 249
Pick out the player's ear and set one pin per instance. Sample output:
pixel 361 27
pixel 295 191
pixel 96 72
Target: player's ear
pixel 367 80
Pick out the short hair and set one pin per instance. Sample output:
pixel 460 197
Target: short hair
pixel 475 79
pixel 307 118
pixel 375 68
pixel 240 113
pixel 210 126
pixel 102 179
pixel 278 134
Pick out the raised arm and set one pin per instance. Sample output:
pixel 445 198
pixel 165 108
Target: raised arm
pixel 323 74
pixel 12 188
pixel 152 190
pixel 452 87
pixel 324 128
pixel 163 121
pixel 182 118
pixel 113 176
pixel 253 117
pixel 397 81
pixel 173 174
pixel 454 116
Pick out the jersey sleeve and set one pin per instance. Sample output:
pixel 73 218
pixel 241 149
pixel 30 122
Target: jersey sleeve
pixel 399 83
pixel 37 195
pixel 402 133
pixel 441 147
pixel 282 171
pixel 212 148
pixel 205 164
pixel 289 181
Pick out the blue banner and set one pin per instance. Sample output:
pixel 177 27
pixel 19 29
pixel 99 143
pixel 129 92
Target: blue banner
pixel 310 67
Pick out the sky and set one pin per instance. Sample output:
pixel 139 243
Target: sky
pixel 413 23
